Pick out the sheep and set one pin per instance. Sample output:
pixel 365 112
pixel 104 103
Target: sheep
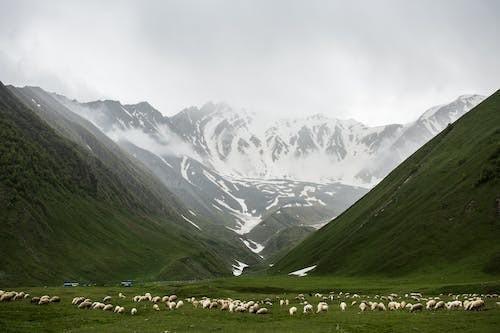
pixel 195 303
pixel 475 305
pixel 99 306
pixel 84 305
pixel 43 301
pixel 172 298
pixel 308 308
pixel 430 304
pixel 116 309
pixel 362 306
pixel 179 304
pixel 353 303
pixel 373 306
pixel 322 307
pixel 26 296
pixel 55 299
pixel 170 305
pixel 292 310
pixel 156 307
pixel 205 303
pixel 416 307
pixel 343 306
pixel 262 311
pixel 381 307
pixel 454 305
pixel 7 296
pixel 137 298
pixel 133 311
pixel 393 306
pixel 120 295
pixel 108 307
pixel 156 299
pixel 439 305
pixel 121 310
pixel 106 299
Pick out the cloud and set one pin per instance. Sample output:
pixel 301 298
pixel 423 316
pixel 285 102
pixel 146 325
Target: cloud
pixel 375 61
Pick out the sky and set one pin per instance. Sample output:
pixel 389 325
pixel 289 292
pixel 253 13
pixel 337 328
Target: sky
pixel 374 61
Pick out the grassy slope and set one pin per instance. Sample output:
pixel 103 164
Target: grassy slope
pixel 131 172
pixel 284 240
pixel 66 216
pixel 20 316
pixel 435 213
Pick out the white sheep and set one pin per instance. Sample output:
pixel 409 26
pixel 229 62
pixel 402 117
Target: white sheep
pixel 106 299
pixel 475 305
pixel 156 307
pixel 430 304
pixel 343 306
pixel 133 311
pixel 362 306
pixel 108 307
pixel 121 310
pixel 262 311
pixel 439 305
pixel 381 307
pixel 416 307
pixel 120 295
pixel 172 298
pixel 308 308
pixel 292 310
pixel 322 307
pixel 179 304
pixel 84 305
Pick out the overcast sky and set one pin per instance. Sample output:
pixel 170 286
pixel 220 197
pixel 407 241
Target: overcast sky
pixel 374 61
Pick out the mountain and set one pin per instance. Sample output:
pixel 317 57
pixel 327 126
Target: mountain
pixel 80 209
pixel 225 165
pixel 438 213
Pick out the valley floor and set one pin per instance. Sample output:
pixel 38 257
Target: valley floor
pixel 21 316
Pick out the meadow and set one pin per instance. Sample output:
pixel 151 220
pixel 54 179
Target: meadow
pixel 22 316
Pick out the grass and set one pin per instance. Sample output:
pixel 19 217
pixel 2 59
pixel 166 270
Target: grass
pixel 21 316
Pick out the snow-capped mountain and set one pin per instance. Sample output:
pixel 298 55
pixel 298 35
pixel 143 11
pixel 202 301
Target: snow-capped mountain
pixel 234 170
pixel 232 143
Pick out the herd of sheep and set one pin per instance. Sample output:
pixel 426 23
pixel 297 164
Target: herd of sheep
pixel 317 303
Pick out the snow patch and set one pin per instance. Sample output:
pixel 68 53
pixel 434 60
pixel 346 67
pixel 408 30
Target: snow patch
pixel 252 245
pixel 303 271
pixel 238 269
pixel 194 224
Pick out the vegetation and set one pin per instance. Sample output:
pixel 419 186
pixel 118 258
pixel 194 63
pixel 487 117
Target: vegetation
pixel 21 316
pixel 437 214
pixel 65 215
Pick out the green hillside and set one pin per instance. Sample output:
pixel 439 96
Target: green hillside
pixel 438 213
pixel 65 215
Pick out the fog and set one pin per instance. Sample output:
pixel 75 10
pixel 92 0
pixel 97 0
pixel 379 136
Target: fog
pixel 375 61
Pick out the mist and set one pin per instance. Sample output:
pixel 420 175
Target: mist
pixel 378 62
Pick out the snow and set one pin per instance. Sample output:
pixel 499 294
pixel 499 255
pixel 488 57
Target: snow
pixel 252 245
pixel 303 271
pixel 165 161
pixel 238 269
pixel 184 169
pixel 194 224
